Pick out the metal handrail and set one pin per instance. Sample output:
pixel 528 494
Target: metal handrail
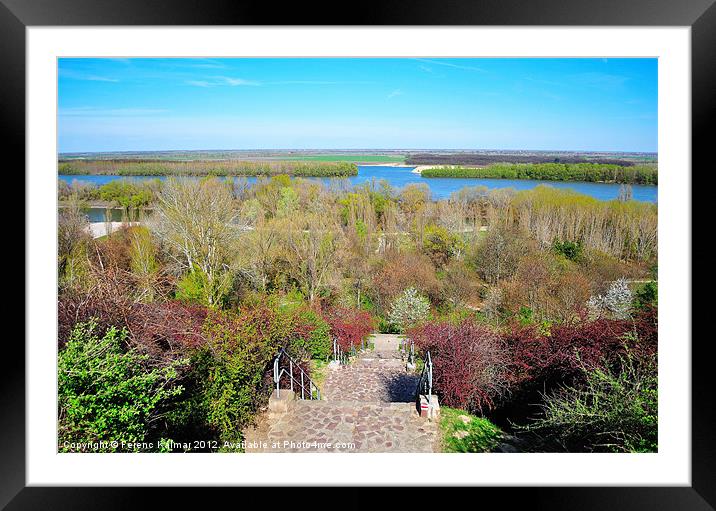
pixel 425 382
pixel 302 379
pixel 409 351
pixel 338 353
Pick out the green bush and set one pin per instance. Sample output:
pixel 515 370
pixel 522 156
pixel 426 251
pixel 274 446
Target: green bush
pixel 127 194
pixel 572 250
pixel 230 378
pixel 385 326
pixel 194 287
pixel 441 245
pixel 191 288
pixel 317 337
pixel 233 364
pixel 646 295
pixel 614 410
pixel 107 394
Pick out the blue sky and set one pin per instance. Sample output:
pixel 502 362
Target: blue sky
pixel 431 103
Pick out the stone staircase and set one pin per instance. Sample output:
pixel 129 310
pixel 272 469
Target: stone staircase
pixel 367 405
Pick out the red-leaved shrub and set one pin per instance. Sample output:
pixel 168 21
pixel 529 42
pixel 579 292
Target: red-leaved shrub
pixel 469 362
pixel 105 302
pixel 163 330
pixel 166 330
pixel 349 326
pixel 476 368
pixel 545 360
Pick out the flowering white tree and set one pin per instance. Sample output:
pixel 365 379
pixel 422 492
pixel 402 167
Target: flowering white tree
pixel 408 308
pixel 616 302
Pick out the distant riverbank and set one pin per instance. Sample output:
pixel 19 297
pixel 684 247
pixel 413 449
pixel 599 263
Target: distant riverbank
pixel 129 168
pixel 585 172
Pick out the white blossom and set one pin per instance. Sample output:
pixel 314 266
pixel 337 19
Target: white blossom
pixel 615 303
pixel 409 308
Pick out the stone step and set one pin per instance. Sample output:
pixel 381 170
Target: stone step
pixel 346 426
pixel 351 404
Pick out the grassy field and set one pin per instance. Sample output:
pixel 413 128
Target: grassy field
pixel 362 158
pixel 255 156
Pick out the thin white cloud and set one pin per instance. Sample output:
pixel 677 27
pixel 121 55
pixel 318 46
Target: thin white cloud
pixel 319 82
pixel 237 81
pixel 546 82
pixel 604 81
pixel 396 92
pixel 198 83
pixel 65 73
pixel 88 111
pixel 207 66
pixel 450 64
pixel 101 79
pixel 219 81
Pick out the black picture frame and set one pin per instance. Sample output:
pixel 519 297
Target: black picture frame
pixel 700 15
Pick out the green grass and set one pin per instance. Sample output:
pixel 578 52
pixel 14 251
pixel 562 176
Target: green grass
pixel 463 432
pixel 319 370
pixel 419 365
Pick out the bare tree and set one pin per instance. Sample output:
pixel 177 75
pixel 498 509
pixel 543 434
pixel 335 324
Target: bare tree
pixel 261 253
pixel 497 255
pixel 313 241
pixel 197 220
pixel 72 230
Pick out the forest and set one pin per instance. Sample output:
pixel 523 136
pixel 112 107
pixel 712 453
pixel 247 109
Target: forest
pixel 539 307
pixel 165 167
pixel 590 172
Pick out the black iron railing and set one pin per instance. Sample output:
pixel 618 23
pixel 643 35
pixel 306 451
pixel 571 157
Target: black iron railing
pixel 407 348
pixel 425 382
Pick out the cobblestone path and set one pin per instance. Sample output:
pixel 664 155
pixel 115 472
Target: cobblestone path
pixel 367 406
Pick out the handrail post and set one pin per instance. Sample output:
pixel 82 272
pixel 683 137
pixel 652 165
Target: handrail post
pixel 430 377
pixel 276 376
pixel 290 366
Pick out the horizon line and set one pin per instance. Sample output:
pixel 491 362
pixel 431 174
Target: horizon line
pixel 400 149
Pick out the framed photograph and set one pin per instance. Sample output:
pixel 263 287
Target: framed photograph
pixel 428 248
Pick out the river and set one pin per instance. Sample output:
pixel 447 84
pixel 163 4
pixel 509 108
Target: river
pixel 442 187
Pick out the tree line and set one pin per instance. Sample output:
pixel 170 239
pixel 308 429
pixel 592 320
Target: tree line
pixel 128 167
pixel 590 172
